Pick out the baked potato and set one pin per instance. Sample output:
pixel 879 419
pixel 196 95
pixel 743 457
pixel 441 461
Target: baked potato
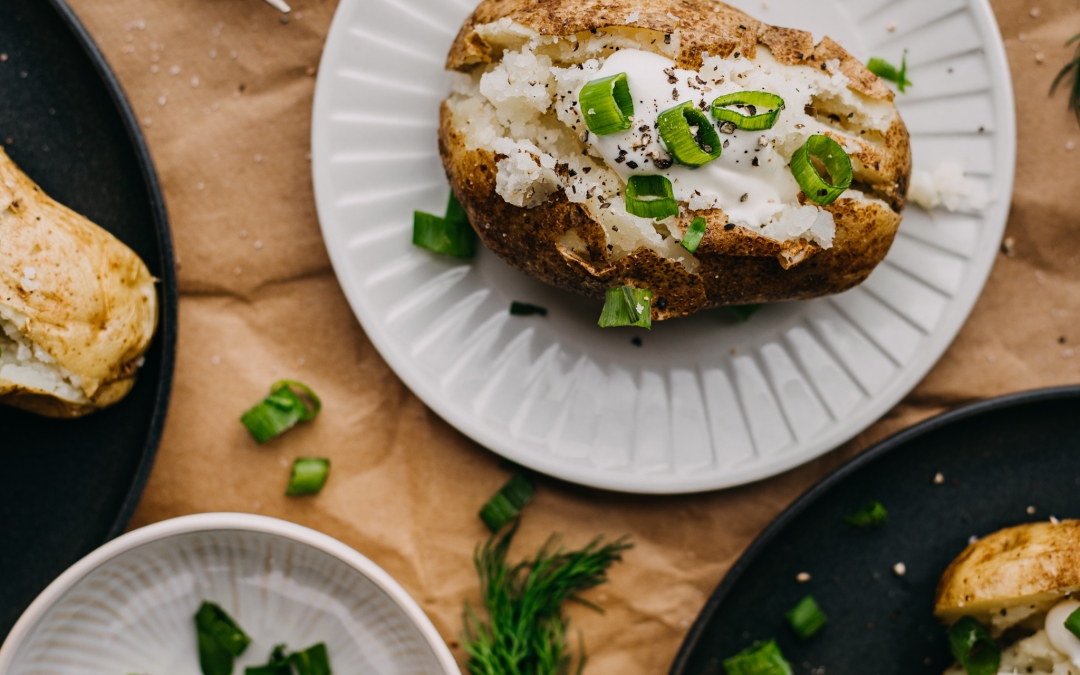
pixel 1019 584
pixel 549 197
pixel 78 308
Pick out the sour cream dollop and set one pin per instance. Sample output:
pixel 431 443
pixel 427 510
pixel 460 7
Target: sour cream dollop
pixel 750 180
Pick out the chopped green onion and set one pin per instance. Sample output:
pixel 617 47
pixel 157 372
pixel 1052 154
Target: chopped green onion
pixel 760 658
pixel 281 410
pixel 627 306
pixel 452 235
pixel 220 639
pixel 507 502
pixel 692 239
pixel 806 617
pixel 871 515
pixel 836 162
pixel 525 309
pixel 749 101
pixel 888 71
pixel 607 105
pixel 312 661
pixel 973 647
pixel 277 664
pixel 689 147
pixel 744 312
pixel 1073 623
pixel 650 197
pixel 309 475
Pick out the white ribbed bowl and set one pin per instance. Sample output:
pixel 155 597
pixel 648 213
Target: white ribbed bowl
pixel 706 402
pixel 128 606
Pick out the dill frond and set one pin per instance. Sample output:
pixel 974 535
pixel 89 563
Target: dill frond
pixel 1072 72
pixel 525 631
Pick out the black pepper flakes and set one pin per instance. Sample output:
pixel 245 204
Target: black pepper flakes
pixel 632 165
pixel 754 162
pixel 667 38
pixel 661 303
pixel 729 227
pixel 636 341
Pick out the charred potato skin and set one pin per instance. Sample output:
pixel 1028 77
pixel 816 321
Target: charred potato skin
pixel 1034 564
pixel 737 266
pixel 96 310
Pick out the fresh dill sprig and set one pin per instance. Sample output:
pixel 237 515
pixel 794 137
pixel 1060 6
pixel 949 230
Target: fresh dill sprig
pixel 1072 70
pixel 525 631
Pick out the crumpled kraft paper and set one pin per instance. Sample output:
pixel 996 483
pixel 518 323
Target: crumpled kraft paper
pixel 224 88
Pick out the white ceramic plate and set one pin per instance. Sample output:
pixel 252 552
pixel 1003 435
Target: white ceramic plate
pixel 128 606
pixel 706 402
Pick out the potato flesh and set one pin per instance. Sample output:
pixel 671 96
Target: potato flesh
pixel 26 365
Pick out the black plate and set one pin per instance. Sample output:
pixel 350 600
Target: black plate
pixel 998 458
pixel 69 486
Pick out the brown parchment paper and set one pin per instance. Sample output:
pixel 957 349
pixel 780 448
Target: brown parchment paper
pixel 224 89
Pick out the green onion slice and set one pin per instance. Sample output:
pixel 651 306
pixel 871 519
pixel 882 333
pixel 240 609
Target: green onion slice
pixel 692 239
pixel 688 135
pixel 744 312
pixel 277 664
pixel 871 515
pixel 311 661
pixel 309 475
pixel 1072 622
pixel 281 410
pixel 525 309
pixel 452 235
pixel 507 502
pixel 627 306
pixel 220 639
pixel 607 105
pixel 836 162
pixel 651 197
pixel 751 101
pixel 888 71
pixel 973 647
pixel 760 658
pixel 806 617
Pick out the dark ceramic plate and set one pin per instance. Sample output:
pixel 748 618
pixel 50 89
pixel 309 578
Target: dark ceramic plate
pixel 998 458
pixel 69 486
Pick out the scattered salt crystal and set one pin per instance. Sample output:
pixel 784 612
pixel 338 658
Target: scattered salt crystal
pixel 1067 353
pixel 233 55
pixel 939 478
pixel 972 539
pixel 162 100
pixel 1040 57
pixel 237 271
pixel 174 71
pixel 154 69
pixel 258 245
pixel 215 360
pixel 1022 37
pixel 200 186
pixel 213 53
pixel 147 121
pixel 1054 520
pixel 1035 12
pixel 892 27
pixel 632 17
pixel 1031 510
pixel 900 569
pixel 802 577
pixel 258 159
pixel 3 57
pixel 195 81
pixel 1070 145
pixel 243 234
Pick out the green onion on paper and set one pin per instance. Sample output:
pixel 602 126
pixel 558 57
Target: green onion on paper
pixel 689 135
pixel 750 101
pixel 309 475
pixel 288 404
pixel 806 618
pixel 627 306
pixel 760 658
pixel 607 106
pixel 833 158
pixel 507 503
pixel 973 648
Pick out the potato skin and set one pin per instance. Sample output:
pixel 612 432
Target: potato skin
pixel 95 306
pixel 737 266
pixel 1032 564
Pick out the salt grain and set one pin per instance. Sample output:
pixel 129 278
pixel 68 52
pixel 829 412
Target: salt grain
pixel 213 53
pixel 1040 57
pixel 1070 145
pixel 162 100
pixel 200 186
pixel 215 360
pixel 892 27
pixel 1054 520
pixel 233 55
pixel 258 245
pixel 802 577
pixel 243 234
pixel 258 159
pixel 147 121
pixel 174 71
pixel 237 271
pixel 3 57
pixel 195 81
pixel 1035 12
pixel 1031 510
pixel 939 478
pixel 972 539
pixel 900 569
pixel 154 69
